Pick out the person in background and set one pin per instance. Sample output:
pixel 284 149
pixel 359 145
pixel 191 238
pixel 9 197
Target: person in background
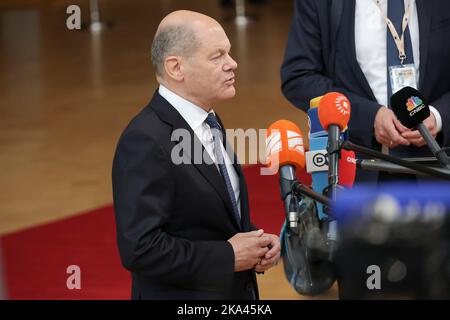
pixel 362 49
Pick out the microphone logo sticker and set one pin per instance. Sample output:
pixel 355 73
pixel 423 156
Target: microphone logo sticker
pixel 320 160
pixel 413 103
pixel 351 160
pixel 295 141
pixel 342 105
pixel 274 145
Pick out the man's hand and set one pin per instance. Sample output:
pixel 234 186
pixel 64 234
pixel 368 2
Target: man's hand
pixel 388 130
pixel 249 248
pixel 415 137
pixel 272 256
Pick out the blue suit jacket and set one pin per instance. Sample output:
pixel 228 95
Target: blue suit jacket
pixel 320 57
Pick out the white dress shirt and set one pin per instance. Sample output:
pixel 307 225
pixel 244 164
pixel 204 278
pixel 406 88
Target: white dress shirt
pixel 195 116
pixel 370 42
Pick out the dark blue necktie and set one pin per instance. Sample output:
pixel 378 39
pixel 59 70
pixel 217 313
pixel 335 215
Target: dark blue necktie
pixel 211 120
pixel 396 10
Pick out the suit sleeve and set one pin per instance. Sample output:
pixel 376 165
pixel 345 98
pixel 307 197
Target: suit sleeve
pixel 303 72
pixel 143 198
pixel 443 106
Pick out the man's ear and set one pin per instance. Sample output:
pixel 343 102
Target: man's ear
pixel 172 65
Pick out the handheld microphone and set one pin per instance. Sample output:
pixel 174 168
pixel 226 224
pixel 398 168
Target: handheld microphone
pixel 334 114
pixel 411 108
pixel 284 147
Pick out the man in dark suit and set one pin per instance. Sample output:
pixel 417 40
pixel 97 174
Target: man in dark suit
pixel 346 46
pixel 182 211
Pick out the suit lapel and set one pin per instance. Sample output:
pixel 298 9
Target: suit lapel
pixel 170 115
pixel 348 35
pixel 424 10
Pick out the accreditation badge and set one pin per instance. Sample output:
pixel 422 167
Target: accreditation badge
pixel 402 76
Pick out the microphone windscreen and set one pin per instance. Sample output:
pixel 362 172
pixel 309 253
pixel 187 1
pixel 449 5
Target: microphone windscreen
pixel 410 107
pixel 315 128
pixel 284 145
pixel 314 103
pixel 347 168
pixel 334 108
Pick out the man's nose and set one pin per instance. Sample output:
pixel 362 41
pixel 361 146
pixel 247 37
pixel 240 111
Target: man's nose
pixel 231 64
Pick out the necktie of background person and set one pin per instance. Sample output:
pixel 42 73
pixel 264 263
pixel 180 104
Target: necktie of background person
pixel 211 120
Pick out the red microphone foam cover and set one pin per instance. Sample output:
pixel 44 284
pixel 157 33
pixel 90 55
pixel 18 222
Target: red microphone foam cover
pixel 347 168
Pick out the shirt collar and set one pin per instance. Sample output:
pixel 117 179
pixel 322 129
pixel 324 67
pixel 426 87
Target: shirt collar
pixel 193 114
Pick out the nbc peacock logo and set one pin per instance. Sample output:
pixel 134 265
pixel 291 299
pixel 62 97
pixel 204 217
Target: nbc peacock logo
pixel 413 103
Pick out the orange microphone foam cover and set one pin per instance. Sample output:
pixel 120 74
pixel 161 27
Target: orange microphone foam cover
pixel 284 141
pixel 334 108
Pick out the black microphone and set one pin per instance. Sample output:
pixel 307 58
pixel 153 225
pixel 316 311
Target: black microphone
pixel 411 108
pixel 347 145
pixel 381 165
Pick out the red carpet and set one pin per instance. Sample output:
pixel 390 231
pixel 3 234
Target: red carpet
pixel 35 260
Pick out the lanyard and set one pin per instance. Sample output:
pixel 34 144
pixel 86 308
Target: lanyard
pixel 399 41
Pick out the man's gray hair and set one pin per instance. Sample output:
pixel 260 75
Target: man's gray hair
pixel 177 40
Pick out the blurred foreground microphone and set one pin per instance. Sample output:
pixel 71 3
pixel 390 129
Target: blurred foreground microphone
pixel 394 241
pixel 285 150
pixel 334 114
pixel 411 108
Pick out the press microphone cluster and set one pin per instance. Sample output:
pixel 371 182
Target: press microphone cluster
pixel 334 113
pixel 310 235
pixel 317 157
pixel 285 147
pixel 286 151
pixel 305 249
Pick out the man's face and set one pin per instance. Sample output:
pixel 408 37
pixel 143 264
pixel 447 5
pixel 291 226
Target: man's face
pixel 209 72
